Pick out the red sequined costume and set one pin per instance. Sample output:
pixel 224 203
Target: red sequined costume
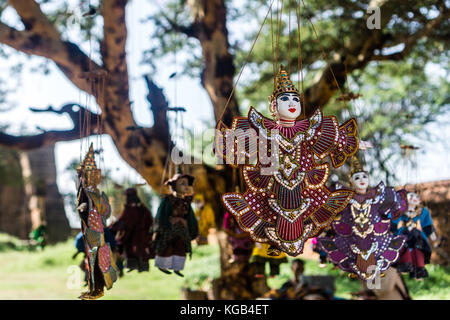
pixel 292 204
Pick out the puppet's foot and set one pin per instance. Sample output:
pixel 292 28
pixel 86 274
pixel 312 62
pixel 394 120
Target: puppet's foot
pixel 273 251
pixel 165 270
pixel 84 295
pixel 404 268
pixel 421 273
pixel 96 294
pixel 352 275
pixel 178 273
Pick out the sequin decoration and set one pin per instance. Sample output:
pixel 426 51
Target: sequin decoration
pixel 286 201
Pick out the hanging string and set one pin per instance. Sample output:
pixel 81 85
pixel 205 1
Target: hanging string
pixel 289 37
pixel 280 15
pixel 166 164
pixel 246 61
pixel 325 56
pixel 80 124
pixel 102 154
pixel 300 59
pixel 273 47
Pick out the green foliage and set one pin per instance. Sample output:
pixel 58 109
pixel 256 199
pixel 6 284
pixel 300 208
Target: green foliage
pixel 399 98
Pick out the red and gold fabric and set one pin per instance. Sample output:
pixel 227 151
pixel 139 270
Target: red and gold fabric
pixel 289 203
pixel 97 249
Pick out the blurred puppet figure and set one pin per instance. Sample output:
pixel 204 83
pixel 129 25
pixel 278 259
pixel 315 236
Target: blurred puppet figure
pixel 389 287
pixel 317 248
pixel 132 232
pixel 260 258
pixel 175 225
pixel 298 288
pixel 205 218
pixel 240 241
pixel 416 224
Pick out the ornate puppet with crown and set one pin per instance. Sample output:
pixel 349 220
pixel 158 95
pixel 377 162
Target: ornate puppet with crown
pixel 94 210
pixel 363 243
pixel 286 200
pixel 416 224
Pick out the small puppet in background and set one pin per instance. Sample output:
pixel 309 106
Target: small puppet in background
pixel 416 224
pixel 240 241
pixel 363 243
pixel 260 257
pixel 317 248
pixel 175 225
pixel 205 218
pixel 94 209
pixel 132 232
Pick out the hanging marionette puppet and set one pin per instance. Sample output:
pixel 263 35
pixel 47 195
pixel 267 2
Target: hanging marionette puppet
pixel 286 201
pixel 175 225
pixel 363 243
pixel 94 210
pixel 416 224
pixel 132 231
pixel 205 217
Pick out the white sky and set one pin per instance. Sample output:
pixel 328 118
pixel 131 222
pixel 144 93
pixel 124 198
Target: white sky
pixel 40 91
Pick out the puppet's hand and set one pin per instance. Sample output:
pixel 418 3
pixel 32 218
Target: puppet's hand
pixel 363 145
pixel 120 234
pixel 82 207
pixel 433 236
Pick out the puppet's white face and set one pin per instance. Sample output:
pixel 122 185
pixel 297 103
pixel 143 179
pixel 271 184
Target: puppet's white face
pixel 288 106
pixel 182 186
pixel 413 198
pixel 360 181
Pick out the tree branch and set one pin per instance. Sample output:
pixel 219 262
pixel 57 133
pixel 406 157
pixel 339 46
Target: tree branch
pixel 89 125
pixel 159 107
pixel 116 107
pixel 412 40
pixel 67 56
pixel 219 70
pixel 34 19
pixel 190 31
pixel 360 51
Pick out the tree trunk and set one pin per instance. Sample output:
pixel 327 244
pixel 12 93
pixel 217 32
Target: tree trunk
pixel 45 203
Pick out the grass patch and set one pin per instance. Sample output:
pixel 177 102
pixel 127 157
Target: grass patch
pixel 51 274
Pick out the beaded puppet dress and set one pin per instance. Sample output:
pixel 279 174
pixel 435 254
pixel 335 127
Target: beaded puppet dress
pixel 363 243
pixel 102 268
pixel 291 203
